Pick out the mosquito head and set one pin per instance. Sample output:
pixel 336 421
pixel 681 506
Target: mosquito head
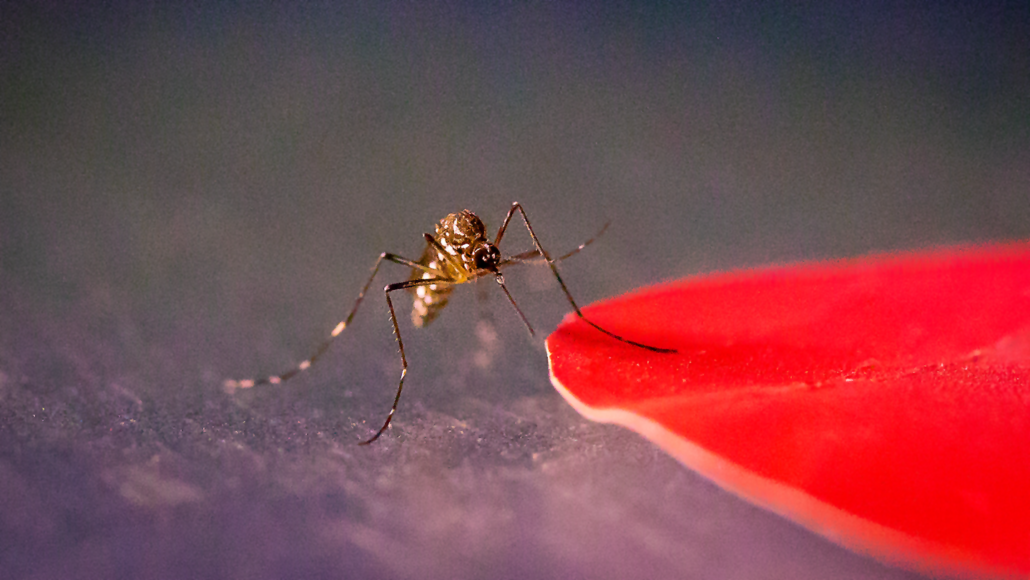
pixel 486 256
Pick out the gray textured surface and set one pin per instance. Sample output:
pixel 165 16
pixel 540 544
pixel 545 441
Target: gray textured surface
pixel 197 193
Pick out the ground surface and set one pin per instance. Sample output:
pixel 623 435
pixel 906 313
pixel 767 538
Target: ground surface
pixel 198 193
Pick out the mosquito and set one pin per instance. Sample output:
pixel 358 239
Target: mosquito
pixel 459 252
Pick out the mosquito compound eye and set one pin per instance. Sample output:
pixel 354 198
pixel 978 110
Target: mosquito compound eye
pixel 486 257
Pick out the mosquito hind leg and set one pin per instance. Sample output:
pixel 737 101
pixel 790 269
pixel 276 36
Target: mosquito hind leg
pixel 400 343
pixel 231 385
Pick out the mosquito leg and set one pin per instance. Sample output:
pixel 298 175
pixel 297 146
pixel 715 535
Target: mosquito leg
pixel 504 226
pixel 554 269
pixel 531 255
pixel 400 343
pixel 232 384
pixel 500 282
pixel 534 254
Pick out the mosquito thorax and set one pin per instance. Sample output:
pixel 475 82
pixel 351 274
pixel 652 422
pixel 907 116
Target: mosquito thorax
pixel 464 235
pixel 460 228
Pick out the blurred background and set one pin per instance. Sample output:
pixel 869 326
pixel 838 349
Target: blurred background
pixel 197 191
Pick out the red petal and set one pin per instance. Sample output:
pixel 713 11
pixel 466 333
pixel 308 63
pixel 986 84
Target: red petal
pixel 883 402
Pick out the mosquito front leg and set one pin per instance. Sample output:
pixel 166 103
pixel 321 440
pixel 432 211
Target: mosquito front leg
pixel 232 384
pixel 554 269
pixel 400 343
